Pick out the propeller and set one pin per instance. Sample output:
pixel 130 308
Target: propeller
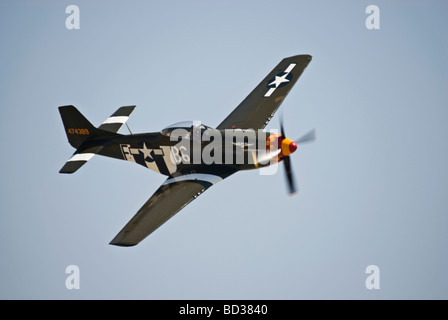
pixel 288 168
pixel 308 137
pixel 289 176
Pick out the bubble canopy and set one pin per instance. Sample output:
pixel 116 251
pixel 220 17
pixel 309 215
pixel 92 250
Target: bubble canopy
pixel 189 126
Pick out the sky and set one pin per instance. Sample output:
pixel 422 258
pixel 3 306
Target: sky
pixel 373 186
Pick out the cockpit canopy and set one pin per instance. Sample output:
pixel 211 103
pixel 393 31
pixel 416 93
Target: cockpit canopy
pixel 191 129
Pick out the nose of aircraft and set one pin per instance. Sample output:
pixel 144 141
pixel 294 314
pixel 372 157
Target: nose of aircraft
pixel 288 146
pixel 292 147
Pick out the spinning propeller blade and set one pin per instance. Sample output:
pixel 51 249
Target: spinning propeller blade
pixel 289 176
pixel 308 137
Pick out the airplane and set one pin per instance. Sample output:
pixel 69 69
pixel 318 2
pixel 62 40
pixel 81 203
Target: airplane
pixel 192 155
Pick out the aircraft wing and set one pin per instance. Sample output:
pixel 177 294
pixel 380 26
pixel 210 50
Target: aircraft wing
pixel 259 107
pixel 174 194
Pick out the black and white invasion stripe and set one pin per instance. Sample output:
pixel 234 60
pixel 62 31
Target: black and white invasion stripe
pixel 117 119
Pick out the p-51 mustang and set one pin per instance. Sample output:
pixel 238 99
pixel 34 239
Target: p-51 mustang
pixel 192 155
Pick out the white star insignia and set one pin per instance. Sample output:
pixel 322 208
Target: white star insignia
pixel 279 80
pixel 146 152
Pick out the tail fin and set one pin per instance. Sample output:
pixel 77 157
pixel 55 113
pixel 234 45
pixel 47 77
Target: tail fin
pixel 77 127
pixel 79 130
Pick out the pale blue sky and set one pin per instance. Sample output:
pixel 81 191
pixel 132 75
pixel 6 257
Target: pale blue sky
pixel 372 187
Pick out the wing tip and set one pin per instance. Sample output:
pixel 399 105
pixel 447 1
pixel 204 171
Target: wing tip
pixel 119 241
pixel 301 55
pixel 121 244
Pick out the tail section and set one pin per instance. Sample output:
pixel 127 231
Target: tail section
pixel 77 127
pixel 78 159
pixel 80 133
pixel 117 119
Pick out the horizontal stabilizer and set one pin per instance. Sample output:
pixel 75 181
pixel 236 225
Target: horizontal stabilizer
pixel 117 119
pixel 78 160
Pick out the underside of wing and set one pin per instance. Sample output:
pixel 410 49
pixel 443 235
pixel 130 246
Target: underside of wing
pixel 260 105
pixel 174 194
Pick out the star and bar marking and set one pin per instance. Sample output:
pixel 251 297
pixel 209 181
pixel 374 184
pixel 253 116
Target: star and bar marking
pixel 279 80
